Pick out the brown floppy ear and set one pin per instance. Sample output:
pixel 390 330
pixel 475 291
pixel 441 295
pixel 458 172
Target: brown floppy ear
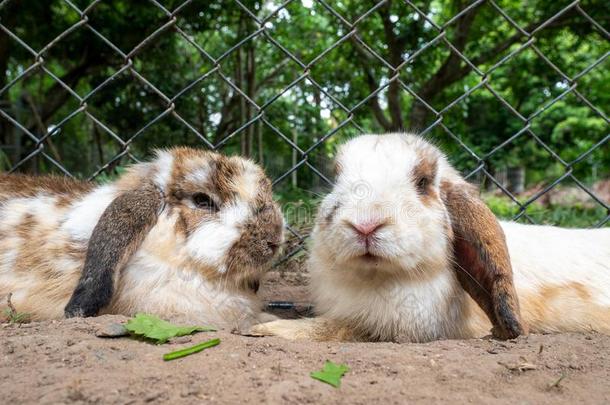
pixel 117 235
pixel 482 263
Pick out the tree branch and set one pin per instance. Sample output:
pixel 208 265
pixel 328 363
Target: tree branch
pixel 39 122
pixel 396 49
pixel 57 95
pixel 451 71
pixel 374 102
pixel 272 75
pixel 372 85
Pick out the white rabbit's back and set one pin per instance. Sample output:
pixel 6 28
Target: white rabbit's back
pixel 562 276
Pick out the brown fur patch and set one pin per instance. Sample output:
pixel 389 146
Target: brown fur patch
pixel 226 180
pixel 220 183
pixel 337 168
pixel 260 239
pixel 181 226
pixel 22 186
pixel 481 258
pixel 565 308
pixel 117 235
pixel 225 172
pixel 541 307
pixel 424 174
pixel 38 249
pixel 37 245
pixel 221 179
pixel 258 244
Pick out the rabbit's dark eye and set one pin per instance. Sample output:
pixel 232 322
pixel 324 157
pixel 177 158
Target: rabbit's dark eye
pixel 204 201
pixel 422 185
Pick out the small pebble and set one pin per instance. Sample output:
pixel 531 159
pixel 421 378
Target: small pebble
pixel 128 356
pixel 112 330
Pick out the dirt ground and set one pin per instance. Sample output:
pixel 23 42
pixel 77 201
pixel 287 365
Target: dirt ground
pixel 64 362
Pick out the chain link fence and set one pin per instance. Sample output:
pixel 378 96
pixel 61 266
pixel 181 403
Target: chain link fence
pixel 44 99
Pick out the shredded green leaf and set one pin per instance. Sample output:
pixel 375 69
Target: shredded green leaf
pixel 331 373
pixel 190 350
pixel 158 330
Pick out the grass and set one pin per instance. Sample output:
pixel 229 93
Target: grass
pixel 11 314
pixel 569 216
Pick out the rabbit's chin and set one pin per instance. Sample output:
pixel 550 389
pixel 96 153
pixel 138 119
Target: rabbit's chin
pixel 369 265
pixel 369 261
pixel 382 263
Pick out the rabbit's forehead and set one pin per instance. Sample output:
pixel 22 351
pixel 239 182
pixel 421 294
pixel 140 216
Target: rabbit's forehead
pixel 227 177
pixel 380 160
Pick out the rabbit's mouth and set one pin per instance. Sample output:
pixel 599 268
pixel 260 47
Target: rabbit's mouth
pixel 370 258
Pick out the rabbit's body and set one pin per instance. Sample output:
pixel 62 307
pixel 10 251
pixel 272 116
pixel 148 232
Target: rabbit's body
pixel 41 257
pixel 177 285
pixel 374 307
pixel 562 276
pixel 559 290
pixel 404 249
pixel 42 261
pixel 188 264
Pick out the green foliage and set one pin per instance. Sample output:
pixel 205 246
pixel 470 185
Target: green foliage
pixel 331 373
pixel 16 317
pixel 5 163
pixel 158 330
pixel 12 315
pixel 105 177
pixel 191 350
pixel 575 215
pixel 308 102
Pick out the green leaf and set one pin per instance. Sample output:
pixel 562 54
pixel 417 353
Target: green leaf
pixel 153 328
pixel 190 350
pixel 331 373
pixel 16 317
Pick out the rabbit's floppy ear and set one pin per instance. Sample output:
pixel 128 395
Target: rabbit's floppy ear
pixel 117 235
pixel 482 262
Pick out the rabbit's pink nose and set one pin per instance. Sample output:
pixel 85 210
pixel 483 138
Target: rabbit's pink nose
pixel 366 228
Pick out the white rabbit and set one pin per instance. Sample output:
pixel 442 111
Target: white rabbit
pixel 404 249
pixel 186 235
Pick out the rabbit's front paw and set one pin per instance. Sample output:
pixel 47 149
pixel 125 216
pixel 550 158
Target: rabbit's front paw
pixel 286 328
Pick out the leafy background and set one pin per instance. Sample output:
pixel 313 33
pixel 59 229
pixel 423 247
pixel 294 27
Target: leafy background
pixel 256 76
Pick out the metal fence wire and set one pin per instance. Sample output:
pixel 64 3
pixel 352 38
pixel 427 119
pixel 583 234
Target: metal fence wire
pixel 37 130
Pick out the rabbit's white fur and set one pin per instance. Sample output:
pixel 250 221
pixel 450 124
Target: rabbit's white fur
pixel 411 290
pixel 562 276
pixel 175 291
pixel 190 264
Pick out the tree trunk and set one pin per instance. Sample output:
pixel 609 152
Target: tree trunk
pixel 9 140
pixel 516 179
pixel 250 91
pixel 261 149
pixel 418 116
pixel 293 175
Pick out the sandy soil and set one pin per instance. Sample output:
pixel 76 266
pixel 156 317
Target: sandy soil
pixel 64 362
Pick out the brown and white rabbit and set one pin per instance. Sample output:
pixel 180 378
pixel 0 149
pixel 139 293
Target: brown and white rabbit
pixel 404 249
pixel 187 234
